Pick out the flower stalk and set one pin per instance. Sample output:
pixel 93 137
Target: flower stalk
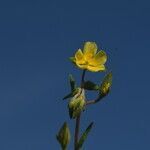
pixel 77 126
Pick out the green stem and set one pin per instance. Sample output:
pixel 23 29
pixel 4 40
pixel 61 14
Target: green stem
pixel 77 127
pixel 64 148
pixel 89 102
pixel 82 78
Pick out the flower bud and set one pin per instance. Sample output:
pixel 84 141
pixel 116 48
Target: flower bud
pixel 106 84
pixel 63 136
pixel 76 104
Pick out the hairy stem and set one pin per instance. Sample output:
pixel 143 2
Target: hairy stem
pixel 77 126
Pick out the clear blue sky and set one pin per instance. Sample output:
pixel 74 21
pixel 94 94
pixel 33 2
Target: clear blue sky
pixel 36 39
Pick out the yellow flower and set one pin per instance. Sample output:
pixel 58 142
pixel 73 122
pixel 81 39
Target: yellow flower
pixel 89 59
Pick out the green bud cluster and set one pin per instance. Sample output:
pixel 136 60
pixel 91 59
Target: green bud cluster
pixel 76 104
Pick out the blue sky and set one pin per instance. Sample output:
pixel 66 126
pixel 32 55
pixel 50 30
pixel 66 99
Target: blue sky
pixel 36 39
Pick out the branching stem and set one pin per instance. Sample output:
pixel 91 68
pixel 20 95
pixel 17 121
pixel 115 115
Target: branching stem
pixel 89 102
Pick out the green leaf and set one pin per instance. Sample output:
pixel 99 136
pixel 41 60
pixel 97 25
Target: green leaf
pixel 68 96
pixel 72 94
pixel 72 82
pixel 88 85
pixel 84 136
pixel 74 89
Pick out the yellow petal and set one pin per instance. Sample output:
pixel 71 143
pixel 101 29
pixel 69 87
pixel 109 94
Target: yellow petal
pixel 96 68
pixel 99 59
pixel 79 57
pixel 82 66
pixel 90 49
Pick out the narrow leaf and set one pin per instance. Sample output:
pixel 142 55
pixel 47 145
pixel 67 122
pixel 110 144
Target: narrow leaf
pixel 72 82
pixel 68 96
pixel 72 94
pixel 84 136
pixel 88 85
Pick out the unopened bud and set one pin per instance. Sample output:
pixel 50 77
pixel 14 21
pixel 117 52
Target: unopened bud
pixel 76 104
pixel 106 84
pixel 63 136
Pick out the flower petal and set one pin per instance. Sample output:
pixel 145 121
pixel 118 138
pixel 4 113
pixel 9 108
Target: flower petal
pixel 79 57
pixel 96 68
pixel 90 49
pixel 99 59
pixel 82 66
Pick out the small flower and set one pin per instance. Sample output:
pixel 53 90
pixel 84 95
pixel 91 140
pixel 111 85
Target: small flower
pixel 89 59
pixel 63 136
pixel 106 84
pixel 76 104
